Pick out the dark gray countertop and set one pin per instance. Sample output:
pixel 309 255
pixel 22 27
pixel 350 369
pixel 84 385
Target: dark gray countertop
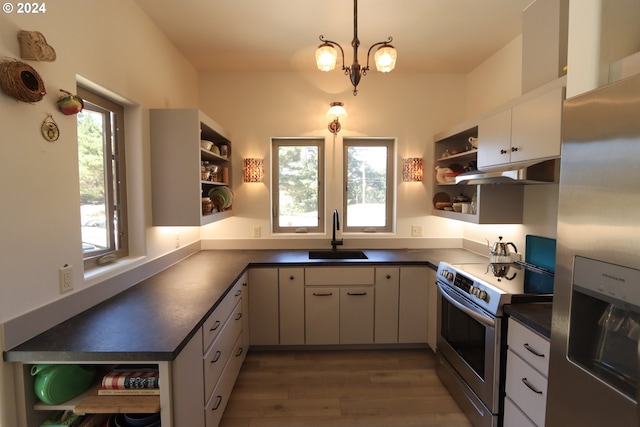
pixel 153 320
pixel 536 315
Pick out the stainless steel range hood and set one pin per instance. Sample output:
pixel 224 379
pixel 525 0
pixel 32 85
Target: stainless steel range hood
pixel 546 172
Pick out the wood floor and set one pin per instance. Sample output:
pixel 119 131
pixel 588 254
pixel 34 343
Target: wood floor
pixel 390 388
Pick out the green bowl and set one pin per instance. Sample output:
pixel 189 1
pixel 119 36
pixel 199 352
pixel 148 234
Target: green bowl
pixel 55 384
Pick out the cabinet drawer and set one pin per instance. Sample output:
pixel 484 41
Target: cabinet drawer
pixel 527 388
pixel 529 345
pixel 333 276
pixel 219 353
pixel 220 397
pixel 214 323
pixel 513 417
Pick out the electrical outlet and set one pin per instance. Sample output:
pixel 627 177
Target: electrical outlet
pixel 416 231
pixel 257 231
pixel 66 278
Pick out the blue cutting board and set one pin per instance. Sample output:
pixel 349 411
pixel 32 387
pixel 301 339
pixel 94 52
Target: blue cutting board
pixel 540 251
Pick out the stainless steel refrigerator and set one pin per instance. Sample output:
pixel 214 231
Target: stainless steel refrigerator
pixel 593 373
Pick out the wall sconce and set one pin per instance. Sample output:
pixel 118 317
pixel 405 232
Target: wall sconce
pixel 335 112
pixel 253 170
pixel 412 169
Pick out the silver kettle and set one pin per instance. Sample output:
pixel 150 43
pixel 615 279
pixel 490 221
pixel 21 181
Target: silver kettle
pixel 499 252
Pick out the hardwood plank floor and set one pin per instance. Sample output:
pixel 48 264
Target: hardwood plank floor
pixel 342 388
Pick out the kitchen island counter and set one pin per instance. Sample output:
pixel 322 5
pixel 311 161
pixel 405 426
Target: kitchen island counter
pixel 154 319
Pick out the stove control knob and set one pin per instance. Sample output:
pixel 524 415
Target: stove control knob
pixel 482 295
pixel 473 290
pixel 448 275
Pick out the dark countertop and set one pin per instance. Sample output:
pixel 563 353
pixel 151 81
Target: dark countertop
pixel 154 319
pixel 535 315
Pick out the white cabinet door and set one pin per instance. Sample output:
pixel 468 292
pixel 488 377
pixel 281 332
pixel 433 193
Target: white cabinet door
pixel 322 315
pixel 536 127
pixel 187 387
pixel 263 306
pixel 413 305
pixel 245 313
pixel 386 305
pixel 356 315
pixel 432 315
pixel 291 285
pixel 494 140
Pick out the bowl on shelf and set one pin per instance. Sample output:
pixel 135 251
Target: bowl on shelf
pixel 206 144
pixel 457 207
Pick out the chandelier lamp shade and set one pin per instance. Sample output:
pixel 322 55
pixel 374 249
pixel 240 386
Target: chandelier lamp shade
pixel 336 110
pixel 384 57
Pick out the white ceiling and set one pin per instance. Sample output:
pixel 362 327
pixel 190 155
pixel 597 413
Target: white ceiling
pixel 431 36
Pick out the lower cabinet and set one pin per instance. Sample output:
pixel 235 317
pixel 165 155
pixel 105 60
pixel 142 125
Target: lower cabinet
pixel 193 389
pixel 339 305
pixel 291 298
pixel 527 370
pixel 322 315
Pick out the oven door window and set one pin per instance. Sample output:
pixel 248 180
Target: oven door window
pixel 466 335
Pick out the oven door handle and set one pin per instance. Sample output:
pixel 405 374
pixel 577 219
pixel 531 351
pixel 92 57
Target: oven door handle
pixel 464 308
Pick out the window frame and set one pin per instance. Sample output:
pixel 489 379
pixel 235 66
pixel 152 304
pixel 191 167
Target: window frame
pixel 275 187
pixel 390 144
pixel 117 190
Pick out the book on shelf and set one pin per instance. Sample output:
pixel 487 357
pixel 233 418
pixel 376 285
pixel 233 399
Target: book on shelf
pixel 128 392
pixel 131 377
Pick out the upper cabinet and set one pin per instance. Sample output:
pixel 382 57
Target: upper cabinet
pixel 528 131
pixel 184 173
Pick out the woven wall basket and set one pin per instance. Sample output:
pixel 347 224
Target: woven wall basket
pixel 21 81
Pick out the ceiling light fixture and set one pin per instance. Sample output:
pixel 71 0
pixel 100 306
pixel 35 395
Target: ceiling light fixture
pixel 326 55
pixel 335 112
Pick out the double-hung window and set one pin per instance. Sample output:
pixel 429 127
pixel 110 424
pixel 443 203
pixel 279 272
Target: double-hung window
pixel 298 185
pixel 368 196
pixel 101 165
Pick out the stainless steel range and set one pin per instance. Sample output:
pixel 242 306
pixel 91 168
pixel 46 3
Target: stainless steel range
pixel 470 344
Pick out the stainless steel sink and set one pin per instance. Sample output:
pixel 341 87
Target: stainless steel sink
pixel 344 254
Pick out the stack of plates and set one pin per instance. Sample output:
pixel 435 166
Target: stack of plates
pixel 222 197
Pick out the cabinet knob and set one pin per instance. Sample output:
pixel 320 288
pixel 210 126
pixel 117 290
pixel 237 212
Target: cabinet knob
pixel 388 276
pixel 503 151
pixel 292 277
pixel 514 149
pixel 244 284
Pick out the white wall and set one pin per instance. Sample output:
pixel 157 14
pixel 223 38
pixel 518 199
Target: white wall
pixel 254 107
pixel 113 44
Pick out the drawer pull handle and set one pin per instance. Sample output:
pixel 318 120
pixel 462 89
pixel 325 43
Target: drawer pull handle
pixel 216 357
pixel 239 292
pixel 532 350
pixel 218 402
pixel 245 284
pixel 531 387
pixel 356 294
pixel 239 316
pixel 319 294
pixel 239 353
pixel 215 326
